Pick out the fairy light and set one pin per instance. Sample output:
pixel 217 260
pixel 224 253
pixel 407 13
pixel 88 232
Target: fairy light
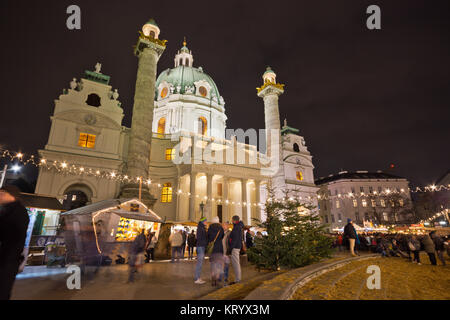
pixel 64 165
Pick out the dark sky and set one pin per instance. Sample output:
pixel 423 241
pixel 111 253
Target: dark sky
pixel 362 99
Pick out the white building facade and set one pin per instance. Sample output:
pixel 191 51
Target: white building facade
pixel 365 197
pixel 194 169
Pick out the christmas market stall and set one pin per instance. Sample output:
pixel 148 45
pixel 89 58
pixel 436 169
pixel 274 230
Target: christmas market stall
pixel 95 234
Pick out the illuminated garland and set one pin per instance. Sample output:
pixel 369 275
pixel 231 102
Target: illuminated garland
pixel 63 167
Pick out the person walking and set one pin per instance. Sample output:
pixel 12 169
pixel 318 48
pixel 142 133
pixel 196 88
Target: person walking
pixel 183 246
pixel 236 239
pixel 429 247
pixel 438 245
pixel 151 246
pixel 215 236
pixel 202 241
pixel 414 247
pixel 191 242
pixel 13 231
pixel 351 235
pixel 135 258
pixel 176 241
pixel 226 254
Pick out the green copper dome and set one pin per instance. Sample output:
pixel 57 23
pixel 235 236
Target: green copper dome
pixel 152 21
pixel 268 70
pixel 186 76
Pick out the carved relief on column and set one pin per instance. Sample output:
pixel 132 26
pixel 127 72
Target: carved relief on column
pixel 225 204
pixel 258 199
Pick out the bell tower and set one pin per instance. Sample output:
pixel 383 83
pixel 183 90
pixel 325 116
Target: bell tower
pixel 148 49
pixel 269 92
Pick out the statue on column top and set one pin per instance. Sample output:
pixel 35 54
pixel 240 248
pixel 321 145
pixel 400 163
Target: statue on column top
pixel 98 66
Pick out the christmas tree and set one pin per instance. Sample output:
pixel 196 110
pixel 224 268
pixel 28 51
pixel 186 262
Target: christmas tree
pixel 294 237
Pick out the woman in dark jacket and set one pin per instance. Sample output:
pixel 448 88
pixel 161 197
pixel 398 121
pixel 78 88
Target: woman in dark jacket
pixel 215 234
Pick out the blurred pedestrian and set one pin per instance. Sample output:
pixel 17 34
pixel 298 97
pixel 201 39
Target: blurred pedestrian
pixel 202 241
pixel 351 235
pixel 226 253
pixel 151 246
pixel 438 245
pixel 183 246
pixel 13 230
pixel 339 241
pixel 191 242
pixel 176 241
pixel 248 239
pixel 136 254
pixel 414 247
pixel 215 236
pixel 236 240
pixel 429 247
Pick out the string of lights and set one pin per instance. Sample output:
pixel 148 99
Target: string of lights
pixel 64 167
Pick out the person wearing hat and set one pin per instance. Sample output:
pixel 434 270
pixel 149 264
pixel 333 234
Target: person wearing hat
pixel 215 235
pixel 202 241
pixel 351 235
pixel 13 231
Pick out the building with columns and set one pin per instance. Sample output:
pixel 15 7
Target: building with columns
pixel 177 140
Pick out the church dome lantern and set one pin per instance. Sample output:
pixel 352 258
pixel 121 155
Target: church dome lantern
pixel 269 76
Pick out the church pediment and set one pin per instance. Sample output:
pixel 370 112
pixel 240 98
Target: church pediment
pixel 88 118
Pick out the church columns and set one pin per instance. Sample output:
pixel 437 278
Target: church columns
pixel 208 213
pixel 258 199
pixel 244 199
pixel 192 196
pixel 225 205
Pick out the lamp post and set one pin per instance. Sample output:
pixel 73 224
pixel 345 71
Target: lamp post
pixel 202 206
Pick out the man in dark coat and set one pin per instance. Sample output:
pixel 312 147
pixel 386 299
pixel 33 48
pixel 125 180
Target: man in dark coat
pixel 191 241
pixel 351 235
pixel 13 231
pixel 202 241
pixel 438 245
pixel 215 235
pixel 235 240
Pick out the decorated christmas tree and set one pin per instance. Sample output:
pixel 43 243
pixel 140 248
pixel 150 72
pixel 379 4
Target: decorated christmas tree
pixel 294 237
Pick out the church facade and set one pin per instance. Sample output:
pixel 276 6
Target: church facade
pixel 193 168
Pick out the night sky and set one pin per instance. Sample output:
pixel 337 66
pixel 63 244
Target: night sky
pixel 362 99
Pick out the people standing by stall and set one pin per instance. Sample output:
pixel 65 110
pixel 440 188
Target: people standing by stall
pixel 183 246
pixel 135 257
pixel 351 235
pixel 438 246
pixel 236 239
pixel 150 246
pixel 176 241
pixel 202 241
pixel 191 241
pixel 215 236
pixel 13 230
pixel 429 248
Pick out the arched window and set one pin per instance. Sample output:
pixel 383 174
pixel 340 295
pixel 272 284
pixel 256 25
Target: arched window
pixel 93 100
pixel 202 126
pixel 152 34
pixel 181 62
pixel 296 148
pixel 166 194
pixel 161 127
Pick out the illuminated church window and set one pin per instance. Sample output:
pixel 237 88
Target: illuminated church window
pixel 170 154
pixel 86 140
pixel 161 127
pixel 203 91
pixel 166 195
pixel 202 126
pixel 299 175
pixel 164 92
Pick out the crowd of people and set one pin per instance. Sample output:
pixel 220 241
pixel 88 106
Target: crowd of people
pixel 394 245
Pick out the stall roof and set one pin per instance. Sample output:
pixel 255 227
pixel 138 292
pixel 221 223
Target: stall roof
pixel 32 200
pixel 97 206
pixel 149 216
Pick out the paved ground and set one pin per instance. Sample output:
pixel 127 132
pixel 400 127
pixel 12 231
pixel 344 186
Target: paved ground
pixel 400 280
pixel 157 280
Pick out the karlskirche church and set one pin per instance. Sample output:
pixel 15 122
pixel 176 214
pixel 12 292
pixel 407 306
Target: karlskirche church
pixel 175 155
